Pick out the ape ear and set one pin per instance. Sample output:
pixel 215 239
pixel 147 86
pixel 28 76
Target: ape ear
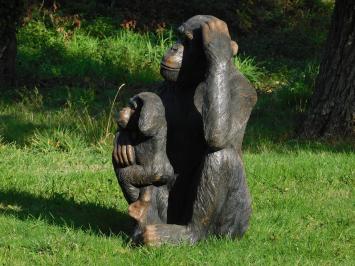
pixel 234 46
pixel 152 114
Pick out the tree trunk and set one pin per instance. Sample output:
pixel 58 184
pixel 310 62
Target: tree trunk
pixel 8 49
pixel 10 16
pixel 332 106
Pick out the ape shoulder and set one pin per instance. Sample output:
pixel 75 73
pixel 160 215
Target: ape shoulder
pixel 243 89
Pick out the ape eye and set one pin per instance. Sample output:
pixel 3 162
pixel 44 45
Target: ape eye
pixel 133 103
pixel 189 35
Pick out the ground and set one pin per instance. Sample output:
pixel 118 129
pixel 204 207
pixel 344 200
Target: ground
pixel 66 208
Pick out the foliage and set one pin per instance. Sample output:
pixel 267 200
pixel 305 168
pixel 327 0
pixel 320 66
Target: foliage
pixel 98 53
pixel 244 16
pixel 84 56
pixel 86 64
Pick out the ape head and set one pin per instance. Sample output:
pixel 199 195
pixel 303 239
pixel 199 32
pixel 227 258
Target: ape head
pixel 185 61
pixel 144 114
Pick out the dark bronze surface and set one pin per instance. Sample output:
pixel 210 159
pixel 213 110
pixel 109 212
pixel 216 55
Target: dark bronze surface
pixel 177 155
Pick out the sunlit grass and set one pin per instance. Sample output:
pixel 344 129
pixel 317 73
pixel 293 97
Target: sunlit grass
pixel 123 56
pixel 65 207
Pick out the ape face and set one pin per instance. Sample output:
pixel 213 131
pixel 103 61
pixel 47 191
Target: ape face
pixel 128 116
pixel 185 62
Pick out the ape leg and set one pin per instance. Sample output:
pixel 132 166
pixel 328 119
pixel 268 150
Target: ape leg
pixel 150 208
pixel 130 192
pixel 234 217
pixel 220 170
pixel 138 209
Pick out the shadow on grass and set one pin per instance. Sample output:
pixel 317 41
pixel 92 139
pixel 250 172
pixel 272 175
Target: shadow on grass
pixel 15 129
pixel 63 212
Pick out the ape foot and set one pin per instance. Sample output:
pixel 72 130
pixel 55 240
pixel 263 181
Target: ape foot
pixel 158 234
pixel 151 236
pixel 138 210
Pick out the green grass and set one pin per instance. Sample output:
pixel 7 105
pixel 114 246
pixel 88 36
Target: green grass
pixel 66 208
pixel 59 199
pixel 84 58
pixel 87 58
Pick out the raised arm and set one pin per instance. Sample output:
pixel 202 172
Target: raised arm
pixel 216 108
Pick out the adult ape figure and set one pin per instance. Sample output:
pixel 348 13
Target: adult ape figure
pixel 207 105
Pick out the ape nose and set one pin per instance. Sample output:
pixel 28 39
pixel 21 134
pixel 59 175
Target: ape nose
pixel 175 47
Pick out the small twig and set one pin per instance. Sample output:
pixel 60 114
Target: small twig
pixel 40 8
pixel 112 105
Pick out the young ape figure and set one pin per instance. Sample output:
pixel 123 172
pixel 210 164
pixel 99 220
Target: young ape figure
pixel 207 105
pixel 144 121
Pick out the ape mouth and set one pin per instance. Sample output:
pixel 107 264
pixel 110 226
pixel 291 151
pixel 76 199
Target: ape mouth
pixel 162 65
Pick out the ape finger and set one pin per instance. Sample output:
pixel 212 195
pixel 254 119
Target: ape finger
pixel 119 154
pixel 131 155
pixel 124 155
pixel 206 36
pixel 222 27
pixel 114 154
pixel 117 149
pixel 212 24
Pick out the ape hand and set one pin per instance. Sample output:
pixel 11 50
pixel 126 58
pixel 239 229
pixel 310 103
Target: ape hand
pixel 123 152
pixel 217 42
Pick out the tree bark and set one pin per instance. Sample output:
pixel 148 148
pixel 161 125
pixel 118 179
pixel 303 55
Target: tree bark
pixel 8 50
pixel 332 106
pixel 10 17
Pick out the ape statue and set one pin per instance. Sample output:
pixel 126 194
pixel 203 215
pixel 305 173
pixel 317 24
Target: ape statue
pixel 207 104
pixel 145 160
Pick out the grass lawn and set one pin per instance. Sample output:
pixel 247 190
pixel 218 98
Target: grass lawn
pixel 66 208
pixel 59 198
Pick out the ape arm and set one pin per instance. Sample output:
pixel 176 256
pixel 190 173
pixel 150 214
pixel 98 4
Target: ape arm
pixel 216 110
pixel 216 114
pixel 139 176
